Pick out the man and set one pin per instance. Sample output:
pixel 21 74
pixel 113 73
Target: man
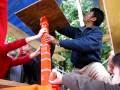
pixel 31 70
pixel 75 81
pixel 86 45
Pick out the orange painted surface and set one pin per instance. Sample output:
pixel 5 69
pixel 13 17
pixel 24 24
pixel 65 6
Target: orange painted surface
pixel 45 54
pixel 30 87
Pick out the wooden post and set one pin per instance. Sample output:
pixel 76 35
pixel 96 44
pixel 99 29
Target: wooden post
pixel 45 54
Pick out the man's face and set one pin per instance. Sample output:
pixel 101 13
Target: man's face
pixel 27 49
pixel 116 75
pixel 89 17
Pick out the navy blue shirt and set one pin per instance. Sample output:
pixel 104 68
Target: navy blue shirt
pixel 85 44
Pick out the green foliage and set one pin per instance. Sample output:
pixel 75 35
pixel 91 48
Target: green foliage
pixel 86 5
pixel 105 53
pixel 104 28
pixel 69 8
pixel 10 38
pixel 105 50
pixel 64 65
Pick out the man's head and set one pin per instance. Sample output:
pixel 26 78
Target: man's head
pixel 116 68
pixel 116 60
pixel 95 16
pixel 113 61
pixel 27 49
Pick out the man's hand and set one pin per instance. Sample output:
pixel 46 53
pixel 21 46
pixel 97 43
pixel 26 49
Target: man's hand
pixel 52 40
pixel 55 77
pixel 42 30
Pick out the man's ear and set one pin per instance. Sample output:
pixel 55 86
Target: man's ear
pixel 93 19
pixel 110 67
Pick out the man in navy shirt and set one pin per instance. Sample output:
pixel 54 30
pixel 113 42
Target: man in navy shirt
pixel 86 45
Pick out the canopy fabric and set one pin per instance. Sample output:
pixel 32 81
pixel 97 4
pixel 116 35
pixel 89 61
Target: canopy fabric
pixel 14 6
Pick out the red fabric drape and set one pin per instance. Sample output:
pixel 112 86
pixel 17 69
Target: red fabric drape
pixel 3 20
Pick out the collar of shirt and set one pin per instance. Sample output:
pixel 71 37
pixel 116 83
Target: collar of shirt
pixel 82 29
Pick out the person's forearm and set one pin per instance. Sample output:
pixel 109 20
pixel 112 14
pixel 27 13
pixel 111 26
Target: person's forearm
pixel 33 55
pixel 29 39
pixel 75 81
pixel 68 31
pixel 12 46
pixel 70 81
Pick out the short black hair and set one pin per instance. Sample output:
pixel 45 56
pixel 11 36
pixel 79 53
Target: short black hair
pixel 116 60
pixel 99 16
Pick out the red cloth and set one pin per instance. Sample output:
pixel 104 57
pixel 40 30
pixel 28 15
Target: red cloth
pixel 56 87
pixel 5 61
pixel 3 20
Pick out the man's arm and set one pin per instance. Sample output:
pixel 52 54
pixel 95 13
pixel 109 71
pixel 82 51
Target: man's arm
pixel 68 31
pixel 87 43
pixel 75 81
pixel 12 46
pixel 5 48
pixel 78 82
